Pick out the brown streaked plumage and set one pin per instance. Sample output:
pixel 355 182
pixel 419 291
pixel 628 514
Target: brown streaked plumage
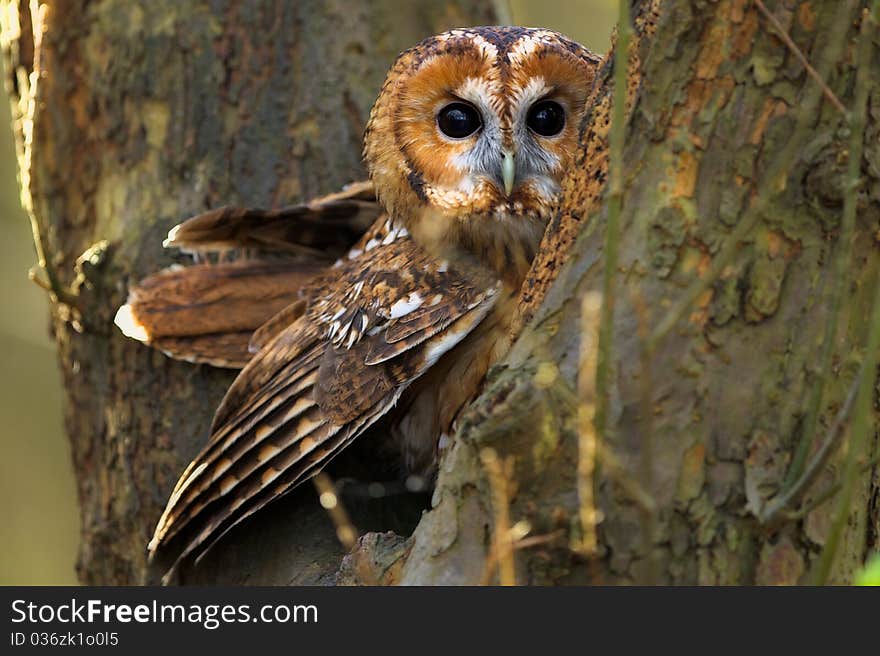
pixel 466 147
pixel 234 299
pixel 325 227
pixel 266 260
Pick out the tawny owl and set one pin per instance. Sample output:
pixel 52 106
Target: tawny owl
pixel 466 148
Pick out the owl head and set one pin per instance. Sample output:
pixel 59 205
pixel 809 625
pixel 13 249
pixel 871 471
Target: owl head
pixel 478 126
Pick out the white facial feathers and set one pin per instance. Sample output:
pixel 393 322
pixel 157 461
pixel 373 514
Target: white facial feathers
pixel 503 115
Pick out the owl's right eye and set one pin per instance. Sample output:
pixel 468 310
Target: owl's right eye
pixel 458 120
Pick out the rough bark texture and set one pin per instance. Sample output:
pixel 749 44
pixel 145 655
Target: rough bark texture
pixel 131 117
pixel 144 116
pixel 717 102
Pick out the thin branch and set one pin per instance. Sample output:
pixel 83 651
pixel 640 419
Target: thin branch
pixel 827 494
pixel 500 473
pixel 619 475
pixel 612 227
pixel 31 102
pixel 842 264
pixel 863 419
pixel 516 545
pixel 812 72
pixel 581 405
pixel 791 493
pixel 591 306
pixel 538 540
pixel 329 500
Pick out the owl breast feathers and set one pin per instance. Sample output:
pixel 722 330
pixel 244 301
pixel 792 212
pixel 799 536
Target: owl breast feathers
pixel 466 147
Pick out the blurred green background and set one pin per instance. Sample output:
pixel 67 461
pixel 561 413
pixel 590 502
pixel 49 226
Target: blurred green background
pixel 38 508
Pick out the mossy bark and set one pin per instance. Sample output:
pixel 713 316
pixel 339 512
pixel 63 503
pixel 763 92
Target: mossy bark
pixel 690 460
pixel 130 117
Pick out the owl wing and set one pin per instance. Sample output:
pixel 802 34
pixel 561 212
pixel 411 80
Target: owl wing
pixel 323 227
pixel 208 312
pixel 322 380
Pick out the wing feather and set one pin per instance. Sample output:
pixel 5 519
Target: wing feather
pixel 326 226
pixel 287 479
pixel 208 299
pixel 222 350
pixel 305 396
pixel 232 456
pixel 205 313
pixel 401 337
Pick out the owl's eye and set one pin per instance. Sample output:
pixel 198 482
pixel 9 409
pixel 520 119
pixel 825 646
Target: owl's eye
pixel 546 118
pixel 458 120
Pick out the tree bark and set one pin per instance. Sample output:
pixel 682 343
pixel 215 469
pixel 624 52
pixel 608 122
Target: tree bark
pixel 734 189
pixel 130 117
pixel 733 197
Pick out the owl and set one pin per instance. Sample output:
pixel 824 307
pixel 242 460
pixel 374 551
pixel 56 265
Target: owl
pixel 466 148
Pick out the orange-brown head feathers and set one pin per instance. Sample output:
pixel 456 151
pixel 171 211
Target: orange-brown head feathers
pixel 476 127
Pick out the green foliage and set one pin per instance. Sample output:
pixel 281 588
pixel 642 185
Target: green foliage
pixel 38 510
pixel 871 574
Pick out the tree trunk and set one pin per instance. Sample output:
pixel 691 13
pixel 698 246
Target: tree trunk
pixel 131 117
pixel 733 228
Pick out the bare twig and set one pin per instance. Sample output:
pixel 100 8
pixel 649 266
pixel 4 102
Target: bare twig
pixel 863 417
pixel 538 540
pixel 828 493
pixel 506 538
pixel 612 227
pixel 329 499
pixel 790 494
pixel 617 473
pixel 591 306
pixel 582 405
pixel 30 105
pixel 842 263
pixel 516 544
pixel 500 475
pixel 797 52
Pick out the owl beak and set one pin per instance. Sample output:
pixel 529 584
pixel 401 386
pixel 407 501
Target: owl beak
pixel 508 171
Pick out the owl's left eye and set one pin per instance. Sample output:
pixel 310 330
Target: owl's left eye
pixel 458 120
pixel 546 118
